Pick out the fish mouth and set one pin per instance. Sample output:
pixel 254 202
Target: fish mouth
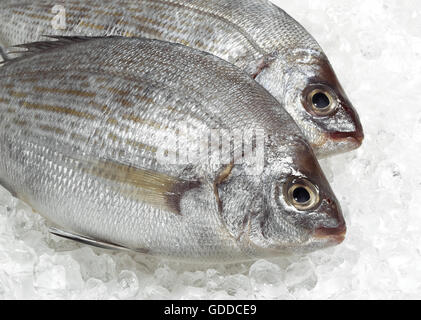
pixel 353 139
pixel 334 236
pixel 339 142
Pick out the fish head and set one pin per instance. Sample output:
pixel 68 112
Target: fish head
pixel 311 93
pixel 327 107
pixel 293 208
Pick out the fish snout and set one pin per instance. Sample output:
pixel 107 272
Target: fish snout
pixel 332 235
pixel 358 136
pixel 334 230
pixel 353 138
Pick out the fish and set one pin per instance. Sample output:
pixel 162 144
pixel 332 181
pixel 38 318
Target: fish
pixel 117 142
pixel 256 36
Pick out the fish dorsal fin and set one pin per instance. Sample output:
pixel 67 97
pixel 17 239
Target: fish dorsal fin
pixel 33 48
pixel 86 240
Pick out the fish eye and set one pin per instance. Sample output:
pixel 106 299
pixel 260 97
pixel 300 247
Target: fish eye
pixel 321 102
pixel 302 194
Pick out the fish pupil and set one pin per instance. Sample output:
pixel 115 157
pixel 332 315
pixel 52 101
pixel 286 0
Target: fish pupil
pixel 301 195
pixel 320 100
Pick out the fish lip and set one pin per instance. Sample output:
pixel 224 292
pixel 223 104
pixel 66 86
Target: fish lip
pixel 356 137
pixel 339 142
pixel 333 235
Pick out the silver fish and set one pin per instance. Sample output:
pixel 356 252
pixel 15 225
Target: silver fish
pixel 256 36
pixel 87 127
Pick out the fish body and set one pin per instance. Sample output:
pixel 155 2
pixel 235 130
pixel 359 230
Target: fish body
pixel 256 36
pixel 87 127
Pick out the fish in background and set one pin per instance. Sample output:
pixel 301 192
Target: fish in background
pixel 87 127
pixel 256 36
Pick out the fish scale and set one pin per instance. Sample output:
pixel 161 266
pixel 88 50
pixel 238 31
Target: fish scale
pixel 256 36
pixel 79 142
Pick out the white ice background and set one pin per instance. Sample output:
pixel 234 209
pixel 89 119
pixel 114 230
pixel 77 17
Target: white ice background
pixel 375 48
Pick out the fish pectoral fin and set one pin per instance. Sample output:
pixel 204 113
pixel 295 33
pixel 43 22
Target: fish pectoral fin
pixel 154 188
pixel 86 240
pixel 257 66
pixel 3 55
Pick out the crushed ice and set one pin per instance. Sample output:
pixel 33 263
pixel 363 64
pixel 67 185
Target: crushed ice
pixel 375 47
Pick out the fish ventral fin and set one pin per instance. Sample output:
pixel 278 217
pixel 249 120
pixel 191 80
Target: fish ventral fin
pixel 33 48
pixel 86 240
